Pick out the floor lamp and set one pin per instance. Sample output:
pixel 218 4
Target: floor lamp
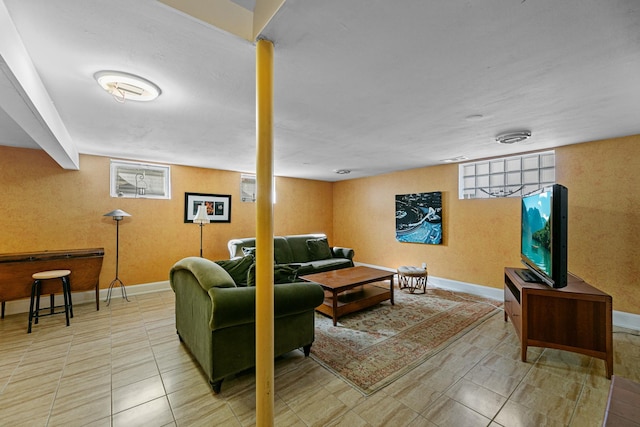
pixel 117 216
pixel 201 219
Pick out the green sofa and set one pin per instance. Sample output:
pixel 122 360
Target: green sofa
pixel 307 253
pixel 215 319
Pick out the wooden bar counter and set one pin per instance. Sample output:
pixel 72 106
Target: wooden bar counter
pixel 16 270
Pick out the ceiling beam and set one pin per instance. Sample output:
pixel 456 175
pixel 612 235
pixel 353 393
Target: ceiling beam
pixel 25 99
pixel 230 16
pixel 264 11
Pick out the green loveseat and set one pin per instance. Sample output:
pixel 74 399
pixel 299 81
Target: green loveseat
pixel 215 319
pixel 308 253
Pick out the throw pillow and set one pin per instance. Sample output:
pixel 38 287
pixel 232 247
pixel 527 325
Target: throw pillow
pixel 237 268
pixel 319 249
pixel 281 274
pixel 284 273
pixel 246 250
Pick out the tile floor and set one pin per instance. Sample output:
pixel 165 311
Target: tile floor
pixel 124 366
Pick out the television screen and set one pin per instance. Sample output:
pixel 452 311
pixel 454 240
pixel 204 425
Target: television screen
pixel 544 234
pixel 536 230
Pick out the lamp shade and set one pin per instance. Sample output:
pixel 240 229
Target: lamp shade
pixel 201 216
pixel 117 214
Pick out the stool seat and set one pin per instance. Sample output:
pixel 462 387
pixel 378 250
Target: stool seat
pixel 412 278
pixel 408 270
pixel 51 274
pixel 36 291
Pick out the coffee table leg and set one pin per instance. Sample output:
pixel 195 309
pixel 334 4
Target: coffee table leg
pixel 391 289
pixel 335 308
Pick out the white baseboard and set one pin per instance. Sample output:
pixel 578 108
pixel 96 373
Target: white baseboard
pixel 469 288
pixel 626 320
pixel 22 306
pixel 620 318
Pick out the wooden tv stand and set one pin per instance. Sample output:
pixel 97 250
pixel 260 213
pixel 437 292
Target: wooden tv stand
pixel 575 318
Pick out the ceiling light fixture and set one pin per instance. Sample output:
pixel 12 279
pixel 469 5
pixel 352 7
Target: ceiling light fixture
pixel 342 171
pixel 513 137
pixel 125 86
pixel 455 159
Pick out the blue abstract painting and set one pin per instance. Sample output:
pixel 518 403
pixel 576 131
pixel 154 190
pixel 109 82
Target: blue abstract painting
pixel 419 218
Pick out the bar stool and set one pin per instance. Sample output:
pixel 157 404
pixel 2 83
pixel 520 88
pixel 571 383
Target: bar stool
pixel 412 278
pixel 36 291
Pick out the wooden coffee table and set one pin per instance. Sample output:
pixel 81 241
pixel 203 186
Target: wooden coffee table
pixel 348 289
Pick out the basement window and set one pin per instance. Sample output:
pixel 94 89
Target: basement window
pixel 513 176
pixel 248 188
pixel 140 180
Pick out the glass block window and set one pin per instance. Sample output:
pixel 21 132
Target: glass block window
pixel 140 180
pixel 512 176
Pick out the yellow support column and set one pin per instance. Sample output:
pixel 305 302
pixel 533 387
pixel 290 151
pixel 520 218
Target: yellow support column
pixel 264 234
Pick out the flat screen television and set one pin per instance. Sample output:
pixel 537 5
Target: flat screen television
pixel 543 244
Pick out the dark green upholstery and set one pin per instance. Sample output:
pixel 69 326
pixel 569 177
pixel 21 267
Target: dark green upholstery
pixel 238 268
pixel 319 249
pixel 216 322
pixel 295 251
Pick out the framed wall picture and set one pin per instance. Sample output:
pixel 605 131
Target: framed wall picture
pixel 218 206
pixel 419 218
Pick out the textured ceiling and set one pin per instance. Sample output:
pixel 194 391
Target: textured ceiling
pixel 370 86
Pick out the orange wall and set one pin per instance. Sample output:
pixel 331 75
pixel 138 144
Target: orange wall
pixel 45 207
pixel 481 237
pixel 604 216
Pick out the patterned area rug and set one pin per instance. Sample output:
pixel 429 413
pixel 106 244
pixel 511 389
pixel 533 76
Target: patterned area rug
pixel 374 347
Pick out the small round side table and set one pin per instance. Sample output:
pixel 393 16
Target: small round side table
pixel 412 278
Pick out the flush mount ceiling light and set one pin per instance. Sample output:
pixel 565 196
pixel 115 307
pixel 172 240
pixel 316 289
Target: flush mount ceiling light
pixel 513 137
pixel 342 171
pixel 455 159
pixel 124 86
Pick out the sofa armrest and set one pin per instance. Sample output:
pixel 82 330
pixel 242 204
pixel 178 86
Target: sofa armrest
pixel 339 252
pixel 236 306
pixel 206 272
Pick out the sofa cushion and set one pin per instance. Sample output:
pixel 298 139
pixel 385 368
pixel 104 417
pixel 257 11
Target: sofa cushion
pixel 281 250
pixel 298 245
pixel 319 249
pixel 251 251
pixel 237 268
pixel 321 266
pixel 330 264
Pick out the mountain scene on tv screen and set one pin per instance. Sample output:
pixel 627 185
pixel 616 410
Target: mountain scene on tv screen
pixel 540 229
